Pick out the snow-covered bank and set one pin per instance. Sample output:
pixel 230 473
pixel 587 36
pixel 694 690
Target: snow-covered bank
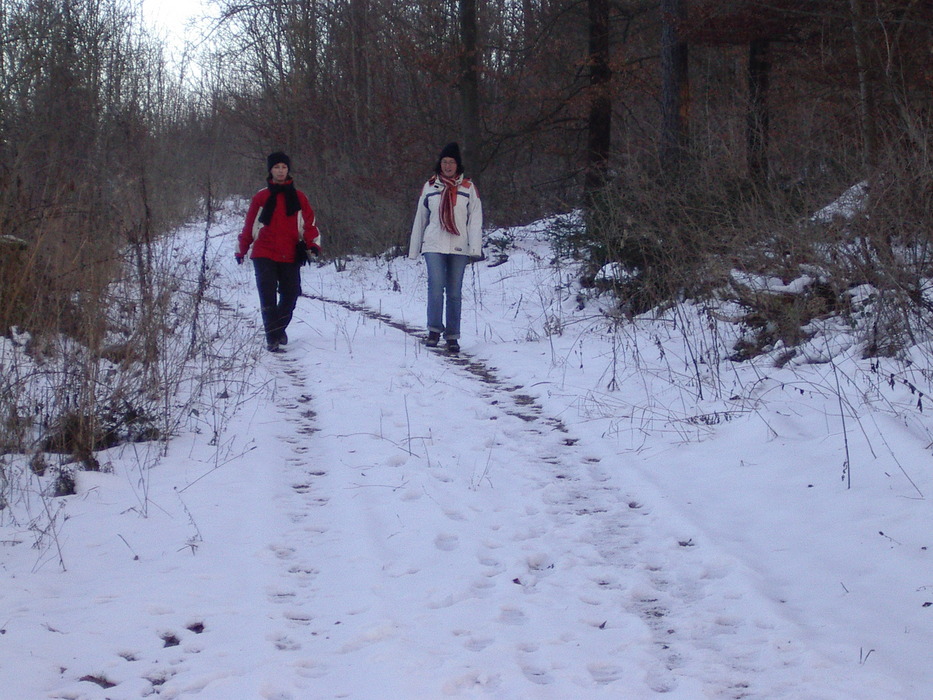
pixel 561 513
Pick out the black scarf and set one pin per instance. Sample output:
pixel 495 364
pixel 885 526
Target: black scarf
pixel 292 205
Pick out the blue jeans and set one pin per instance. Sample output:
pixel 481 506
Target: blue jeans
pixel 445 278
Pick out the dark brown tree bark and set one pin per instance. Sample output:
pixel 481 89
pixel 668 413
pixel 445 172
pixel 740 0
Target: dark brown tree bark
pixel 759 68
pixel 599 126
pixel 866 99
pixel 469 82
pixel 675 86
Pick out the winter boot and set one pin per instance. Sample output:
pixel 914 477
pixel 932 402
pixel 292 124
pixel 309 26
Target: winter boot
pixel 453 346
pixel 433 339
pixel 270 319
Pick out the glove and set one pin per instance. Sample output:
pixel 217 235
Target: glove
pixel 239 259
pixel 314 252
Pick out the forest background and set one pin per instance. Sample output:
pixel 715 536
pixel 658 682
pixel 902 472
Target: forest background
pixel 697 137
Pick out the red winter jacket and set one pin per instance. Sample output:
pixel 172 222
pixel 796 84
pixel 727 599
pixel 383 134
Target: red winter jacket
pixel 277 240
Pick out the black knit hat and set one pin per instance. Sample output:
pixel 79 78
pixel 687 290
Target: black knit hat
pixel 276 158
pixel 451 150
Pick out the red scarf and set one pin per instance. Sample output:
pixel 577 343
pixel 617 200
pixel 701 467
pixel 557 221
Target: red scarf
pixel 448 202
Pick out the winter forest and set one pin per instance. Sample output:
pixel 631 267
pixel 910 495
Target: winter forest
pixel 700 216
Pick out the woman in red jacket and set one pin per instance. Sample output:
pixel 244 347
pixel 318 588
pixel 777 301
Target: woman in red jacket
pixel 279 217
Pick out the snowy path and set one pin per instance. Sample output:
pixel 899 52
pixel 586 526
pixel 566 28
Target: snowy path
pixel 489 552
pixel 390 523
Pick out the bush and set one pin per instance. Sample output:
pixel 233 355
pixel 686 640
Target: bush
pixel 670 240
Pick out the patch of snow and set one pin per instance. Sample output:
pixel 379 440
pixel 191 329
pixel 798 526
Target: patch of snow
pixel 847 206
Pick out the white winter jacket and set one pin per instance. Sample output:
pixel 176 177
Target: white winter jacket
pixel 427 234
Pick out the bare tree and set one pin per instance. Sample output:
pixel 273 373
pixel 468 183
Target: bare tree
pixel 866 88
pixel 757 131
pixel 675 85
pixel 469 80
pixel 599 123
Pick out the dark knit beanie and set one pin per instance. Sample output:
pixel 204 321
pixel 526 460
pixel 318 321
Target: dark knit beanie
pixel 451 150
pixel 276 158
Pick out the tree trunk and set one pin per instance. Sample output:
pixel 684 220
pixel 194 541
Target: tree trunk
pixel 759 69
pixel 469 82
pixel 867 115
pixel 599 131
pixel 675 87
pixel 359 11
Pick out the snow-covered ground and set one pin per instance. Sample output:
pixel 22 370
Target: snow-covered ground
pixel 561 512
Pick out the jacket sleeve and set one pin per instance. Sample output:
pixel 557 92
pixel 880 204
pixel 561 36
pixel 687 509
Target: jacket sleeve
pixel 417 228
pixel 312 234
pixel 245 239
pixel 475 224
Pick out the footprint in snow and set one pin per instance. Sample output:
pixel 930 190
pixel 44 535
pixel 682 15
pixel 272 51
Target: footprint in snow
pixel 281 596
pixel 298 617
pixel 282 552
pixel 446 543
pixel 481 585
pixel 604 674
pixel 512 616
pixel 283 643
pixel 537 675
pixel 477 644
pixel 303 571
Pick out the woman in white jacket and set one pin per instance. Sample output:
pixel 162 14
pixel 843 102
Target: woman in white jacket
pixel 448 231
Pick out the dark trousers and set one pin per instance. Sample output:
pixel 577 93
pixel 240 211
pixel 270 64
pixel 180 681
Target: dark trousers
pixel 279 285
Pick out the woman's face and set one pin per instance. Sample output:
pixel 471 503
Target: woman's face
pixel 279 172
pixel 449 167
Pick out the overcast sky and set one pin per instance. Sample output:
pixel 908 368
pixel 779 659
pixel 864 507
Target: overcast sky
pixel 170 16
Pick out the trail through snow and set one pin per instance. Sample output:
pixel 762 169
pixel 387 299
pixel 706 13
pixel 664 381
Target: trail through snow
pixel 389 522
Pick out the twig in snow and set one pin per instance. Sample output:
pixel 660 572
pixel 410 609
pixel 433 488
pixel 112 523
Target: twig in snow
pixel 847 465
pixel 135 555
pixel 192 541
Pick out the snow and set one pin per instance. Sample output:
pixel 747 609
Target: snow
pixel 846 207
pixel 560 512
pixel 771 285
